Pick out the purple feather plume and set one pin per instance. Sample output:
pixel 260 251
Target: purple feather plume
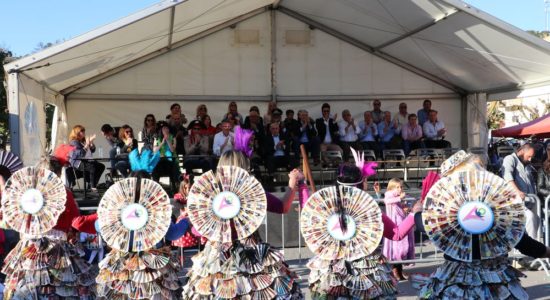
pixel 369 169
pixel 242 140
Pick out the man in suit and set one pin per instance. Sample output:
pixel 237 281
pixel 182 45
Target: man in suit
pixel 276 149
pixel 308 135
pixel 327 130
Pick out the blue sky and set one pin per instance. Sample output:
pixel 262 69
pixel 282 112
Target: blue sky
pixel 26 23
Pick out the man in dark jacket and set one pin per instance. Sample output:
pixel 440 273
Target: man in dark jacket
pixel 276 150
pixel 308 136
pixel 327 130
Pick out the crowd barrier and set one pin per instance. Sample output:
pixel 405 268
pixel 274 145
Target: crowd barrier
pixel 288 235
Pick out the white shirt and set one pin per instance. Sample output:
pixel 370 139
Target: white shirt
pixel 278 151
pixel 328 139
pixel 368 132
pixel 430 129
pixel 349 134
pixel 401 120
pixel 219 139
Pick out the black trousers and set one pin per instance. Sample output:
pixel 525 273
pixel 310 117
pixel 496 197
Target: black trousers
pixel 91 170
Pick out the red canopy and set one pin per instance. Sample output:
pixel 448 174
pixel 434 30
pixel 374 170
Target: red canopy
pixel 539 127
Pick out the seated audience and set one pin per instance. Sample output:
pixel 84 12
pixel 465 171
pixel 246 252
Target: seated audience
pixel 149 131
pixel 272 105
pixel 276 150
pixel 196 144
pixel 202 111
pixel 328 131
pixel 178 131
pixel 349 134
pixel 424 112
pixel 83 149
pixel 112 140
pixel 233 114
pixel 223 140
pixel 387 130
pixel 168 164
pixel 401 117
pixel 308 136
pixel 412 135
pixel 434 132
pixel 254 122
pixel 367 133
pixel 377 113
pixel 209 130
pixel 291 128
pixel 126 145
pixel 175 110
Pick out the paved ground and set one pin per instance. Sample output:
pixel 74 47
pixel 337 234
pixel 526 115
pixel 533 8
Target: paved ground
pixel 537 283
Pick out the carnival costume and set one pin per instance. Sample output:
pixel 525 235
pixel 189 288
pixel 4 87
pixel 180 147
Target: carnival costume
pixel 134 215
pixel 227 207
pixel 43 265
pixel 475 218
pixel 343 226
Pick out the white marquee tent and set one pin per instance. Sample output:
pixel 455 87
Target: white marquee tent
pixel 298 52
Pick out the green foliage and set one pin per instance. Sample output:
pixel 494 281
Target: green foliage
pixel 540 34
pixel 4 114
pixel 494 115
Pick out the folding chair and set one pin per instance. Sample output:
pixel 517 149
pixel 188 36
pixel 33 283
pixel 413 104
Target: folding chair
pixel 395 155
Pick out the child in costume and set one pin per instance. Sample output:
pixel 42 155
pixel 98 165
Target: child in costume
pixel 238 265
pixel 44 264
pixel 403 249
pixel 477 267
pixel 338 278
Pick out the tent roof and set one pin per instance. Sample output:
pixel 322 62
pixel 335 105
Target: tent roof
pixel 446 41
pixel 539 127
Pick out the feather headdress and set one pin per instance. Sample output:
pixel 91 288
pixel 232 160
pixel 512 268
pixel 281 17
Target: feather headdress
pixel 242 140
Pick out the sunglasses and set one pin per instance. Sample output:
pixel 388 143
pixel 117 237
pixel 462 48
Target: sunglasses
pixel 326 111
pixel 150 120
pixel 129 131
pixel 196 128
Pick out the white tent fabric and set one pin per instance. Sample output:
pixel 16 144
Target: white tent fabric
pixel 288 50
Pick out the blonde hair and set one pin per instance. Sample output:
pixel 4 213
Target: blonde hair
pixel 234 158
pixel 394 183
pixel 74 133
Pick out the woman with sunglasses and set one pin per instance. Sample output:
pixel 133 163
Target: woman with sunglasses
pixel 79 157
pixel 149 131
pixel 127 144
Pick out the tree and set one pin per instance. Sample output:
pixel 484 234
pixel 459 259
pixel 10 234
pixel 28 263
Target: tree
pixel 494 115
pixel 4 114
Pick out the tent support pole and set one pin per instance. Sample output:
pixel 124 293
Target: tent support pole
pixel 371 50
pixel 159 52
pixel 413 32
pixel 171 27
pixel 464 122
pixel 273 56
pixel 13 108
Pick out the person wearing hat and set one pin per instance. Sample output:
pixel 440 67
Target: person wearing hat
pixel 196 149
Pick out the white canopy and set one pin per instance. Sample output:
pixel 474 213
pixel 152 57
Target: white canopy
pixel 300 52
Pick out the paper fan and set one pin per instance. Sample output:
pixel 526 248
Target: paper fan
pixel 229 196
pixel 473 203
pixel 133 219
pixel 324 232
pixel 9 163
pixel 33 200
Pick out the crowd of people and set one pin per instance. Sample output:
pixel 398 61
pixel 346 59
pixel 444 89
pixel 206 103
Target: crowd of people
pixel 329 278
pixel 276 140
